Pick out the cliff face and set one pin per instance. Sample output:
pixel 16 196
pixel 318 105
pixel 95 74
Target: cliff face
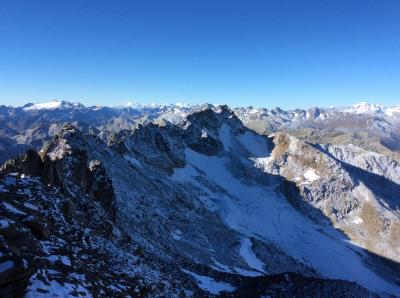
pixel 65 166
pixel 344 184
pixel 53 203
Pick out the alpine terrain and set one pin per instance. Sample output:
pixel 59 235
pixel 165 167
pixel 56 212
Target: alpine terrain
pixel 199 201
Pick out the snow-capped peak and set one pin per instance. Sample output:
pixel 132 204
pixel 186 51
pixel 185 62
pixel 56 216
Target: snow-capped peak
pixel 392 110
pixel 128 104
pixel 364 107
pixel 182 105
pixel 51 105
pixel 44 105
pixel 367 108
pixel 134 105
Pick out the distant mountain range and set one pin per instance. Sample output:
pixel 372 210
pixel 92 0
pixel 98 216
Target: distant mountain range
pixel 372 126
pixel 199 201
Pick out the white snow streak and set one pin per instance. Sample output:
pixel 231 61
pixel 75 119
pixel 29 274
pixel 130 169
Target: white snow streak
pixel 209 284
pixel 249 256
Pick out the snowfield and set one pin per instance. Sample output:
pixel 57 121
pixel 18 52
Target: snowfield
pixel 44 106
pixel 257 211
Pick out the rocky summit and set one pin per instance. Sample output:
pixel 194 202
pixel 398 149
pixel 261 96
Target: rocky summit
pixel 199 201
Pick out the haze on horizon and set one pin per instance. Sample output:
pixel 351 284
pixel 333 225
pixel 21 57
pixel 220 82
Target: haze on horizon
pixel 263 53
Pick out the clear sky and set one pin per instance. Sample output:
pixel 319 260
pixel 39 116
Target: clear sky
pixel 260 53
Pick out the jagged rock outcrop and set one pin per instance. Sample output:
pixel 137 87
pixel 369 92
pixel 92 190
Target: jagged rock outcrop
pixel 29 163
pixel 63 165
pixel 100 187
pixel 153 145
pixel 203 129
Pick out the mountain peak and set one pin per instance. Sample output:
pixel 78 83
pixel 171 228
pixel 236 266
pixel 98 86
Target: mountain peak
pixel 365 107
pixel 213 117
pixel 51 105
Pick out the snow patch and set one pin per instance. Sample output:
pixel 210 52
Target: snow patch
pixel 255 145
pixel 53 288
pixel 31 206
pixel 60 151
pixel 310 175
pixel 225 136
pixel 4 223
pixel 209 284
pixel 12 209
pixel 6 266
pixel 261 162
pixel 244 272
pixel 63 259
pixel 133 160
pixel 44 106
pixel 220 267
pixel 392 111
pixel 204 134
pixel 249 256
pixel 176 235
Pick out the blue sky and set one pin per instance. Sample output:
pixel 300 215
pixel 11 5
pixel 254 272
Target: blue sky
pixel 260 53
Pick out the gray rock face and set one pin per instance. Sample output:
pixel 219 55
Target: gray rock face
pixel 341 182
pixel 372 162
pixel 201 207
pixel 64 165
pixel 207 124
pixel 29 163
